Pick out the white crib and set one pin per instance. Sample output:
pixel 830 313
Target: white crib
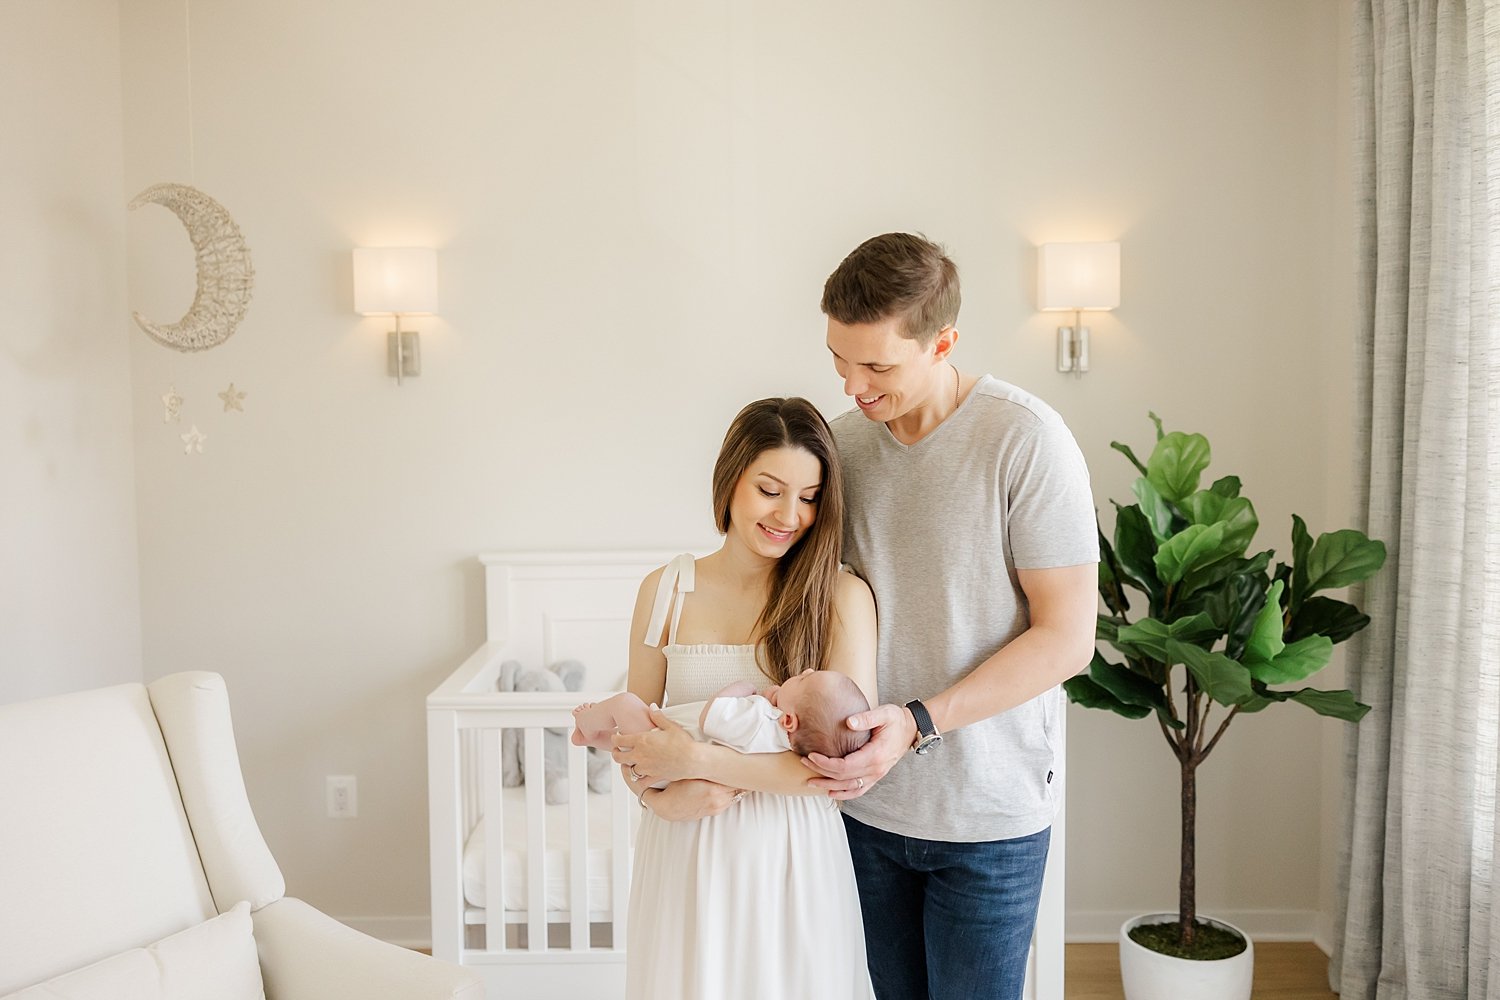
pixel 536 901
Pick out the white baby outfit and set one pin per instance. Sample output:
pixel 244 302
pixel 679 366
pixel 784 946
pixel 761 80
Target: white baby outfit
pixel 747 723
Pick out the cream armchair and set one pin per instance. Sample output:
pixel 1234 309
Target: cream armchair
pixel 124 826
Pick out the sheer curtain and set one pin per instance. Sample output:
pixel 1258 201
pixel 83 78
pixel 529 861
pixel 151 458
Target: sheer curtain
pixel 1418 862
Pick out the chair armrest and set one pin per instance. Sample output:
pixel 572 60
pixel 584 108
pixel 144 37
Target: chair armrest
pixel 307 955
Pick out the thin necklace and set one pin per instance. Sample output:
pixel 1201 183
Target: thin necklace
pixel 955 384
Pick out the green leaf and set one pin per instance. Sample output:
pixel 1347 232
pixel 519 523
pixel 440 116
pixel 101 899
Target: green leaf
pixel 1106 629
pixel 1325 616
pixel 1213 575
pixel 1157 421
pixel 1221 678
pixel 1111 586
pixel 1338 704
pixel 1135 547
pixel 1158 514
pixel 1175 464
pixel 1301 548
pixel 1228 487
pixel 1340 558
pixel 1297 661
pixel 1149 637
pixel 1193 548
pixel 1236 604
pixel 1082 691
pixel 1127 687
pixel 1124 449
pixel 1236 514
pixel 1264 641
pixel 1255 703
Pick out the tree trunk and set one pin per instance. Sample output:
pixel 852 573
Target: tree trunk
pixel 1187 916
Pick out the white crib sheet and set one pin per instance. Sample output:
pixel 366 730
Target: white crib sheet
pixel 556 862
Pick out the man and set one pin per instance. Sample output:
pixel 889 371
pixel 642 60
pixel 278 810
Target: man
pixel 970 516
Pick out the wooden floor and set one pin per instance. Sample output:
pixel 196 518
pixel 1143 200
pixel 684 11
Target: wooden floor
pixel 1283 971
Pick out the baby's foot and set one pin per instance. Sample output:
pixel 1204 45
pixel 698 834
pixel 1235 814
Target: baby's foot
pixel 580 738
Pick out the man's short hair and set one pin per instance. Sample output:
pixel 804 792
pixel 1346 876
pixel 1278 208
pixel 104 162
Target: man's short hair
pixel 895 275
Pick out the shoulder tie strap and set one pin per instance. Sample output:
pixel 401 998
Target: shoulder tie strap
pixel 677 579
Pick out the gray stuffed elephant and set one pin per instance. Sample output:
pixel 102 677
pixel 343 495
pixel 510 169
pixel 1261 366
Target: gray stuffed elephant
pixel 566 675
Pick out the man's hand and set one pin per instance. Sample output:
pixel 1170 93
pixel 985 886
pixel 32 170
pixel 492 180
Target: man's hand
pixel 892 732
pixel 666 753
pixel 693 798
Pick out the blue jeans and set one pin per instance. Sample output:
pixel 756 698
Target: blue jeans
pixel 947 920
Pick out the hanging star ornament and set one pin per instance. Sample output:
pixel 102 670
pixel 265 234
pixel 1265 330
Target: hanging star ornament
pixel 193 441
pixel 172 406
pixel 232 398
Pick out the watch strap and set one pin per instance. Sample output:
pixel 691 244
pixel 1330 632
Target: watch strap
pixel 923 718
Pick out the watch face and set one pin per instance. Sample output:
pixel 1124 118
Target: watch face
pixel 926 743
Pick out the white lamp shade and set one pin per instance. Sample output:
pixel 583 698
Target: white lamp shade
pixel 395 280
pixel 1078 276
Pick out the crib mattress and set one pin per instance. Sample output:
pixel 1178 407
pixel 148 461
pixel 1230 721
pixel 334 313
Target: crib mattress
pixel 557 858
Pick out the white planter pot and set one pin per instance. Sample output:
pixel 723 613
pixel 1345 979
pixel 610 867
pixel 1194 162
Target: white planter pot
pixel 1148 975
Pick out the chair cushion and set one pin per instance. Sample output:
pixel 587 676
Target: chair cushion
pixel 193 711
pixel 95 851
pixel 214 960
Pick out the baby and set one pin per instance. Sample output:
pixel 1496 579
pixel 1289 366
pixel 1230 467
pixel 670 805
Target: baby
pixel 805 714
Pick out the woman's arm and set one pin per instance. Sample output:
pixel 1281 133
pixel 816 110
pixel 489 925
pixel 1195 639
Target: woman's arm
pixel 647 680
pixel 671 754
pixel 852 642
pixel 647 676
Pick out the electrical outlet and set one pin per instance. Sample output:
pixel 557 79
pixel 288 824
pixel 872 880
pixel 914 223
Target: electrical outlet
pixel 343 796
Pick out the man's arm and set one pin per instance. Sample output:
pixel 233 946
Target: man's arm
pixel 1058 643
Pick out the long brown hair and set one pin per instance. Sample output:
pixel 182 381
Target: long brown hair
pixel 794 626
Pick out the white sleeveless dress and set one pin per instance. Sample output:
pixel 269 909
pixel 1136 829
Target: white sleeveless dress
pixel 758 902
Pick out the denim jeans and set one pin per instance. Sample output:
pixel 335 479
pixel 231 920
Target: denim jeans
pixel 947 921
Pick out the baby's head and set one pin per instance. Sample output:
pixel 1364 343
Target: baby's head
pixel 815 705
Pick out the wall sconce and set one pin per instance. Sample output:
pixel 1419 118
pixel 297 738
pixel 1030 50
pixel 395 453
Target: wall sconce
pixel 1077 276
pixel 397 281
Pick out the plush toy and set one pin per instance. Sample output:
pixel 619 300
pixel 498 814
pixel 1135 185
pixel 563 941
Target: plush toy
pixel 564 676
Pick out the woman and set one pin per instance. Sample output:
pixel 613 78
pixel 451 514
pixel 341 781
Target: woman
pixel 743 885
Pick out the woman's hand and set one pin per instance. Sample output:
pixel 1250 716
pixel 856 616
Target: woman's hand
pixel 892 732
pixel 666 753
pixel 690 799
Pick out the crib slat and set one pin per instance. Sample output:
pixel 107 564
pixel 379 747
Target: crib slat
pixel 447 847
pixel 473 792
pixel 578 847
pixel 536 842
pixel 494 841
pixel 621 806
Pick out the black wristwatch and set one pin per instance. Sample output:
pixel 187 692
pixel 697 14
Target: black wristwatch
pixel 927 734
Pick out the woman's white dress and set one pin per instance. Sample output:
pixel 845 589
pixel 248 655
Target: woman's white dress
pixel 757 902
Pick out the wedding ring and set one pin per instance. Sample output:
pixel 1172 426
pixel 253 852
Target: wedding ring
pixel 634 774
pixel 859 782
pixel 738 796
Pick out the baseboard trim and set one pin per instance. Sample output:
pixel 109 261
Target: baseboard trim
pixel 1094 926
pixel 408 932
pixel 1083 927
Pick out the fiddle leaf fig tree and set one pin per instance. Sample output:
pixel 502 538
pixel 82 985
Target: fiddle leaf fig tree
pixel 1204 630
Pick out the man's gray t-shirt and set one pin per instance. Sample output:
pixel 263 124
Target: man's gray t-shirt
pixel 938 530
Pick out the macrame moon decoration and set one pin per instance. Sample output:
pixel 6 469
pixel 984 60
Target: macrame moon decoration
pixel 225 277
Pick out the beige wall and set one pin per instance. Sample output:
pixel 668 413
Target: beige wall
pixel 69 592
pixel 635 205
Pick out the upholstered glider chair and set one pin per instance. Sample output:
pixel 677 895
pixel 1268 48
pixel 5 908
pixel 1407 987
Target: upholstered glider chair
pixel 131 866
